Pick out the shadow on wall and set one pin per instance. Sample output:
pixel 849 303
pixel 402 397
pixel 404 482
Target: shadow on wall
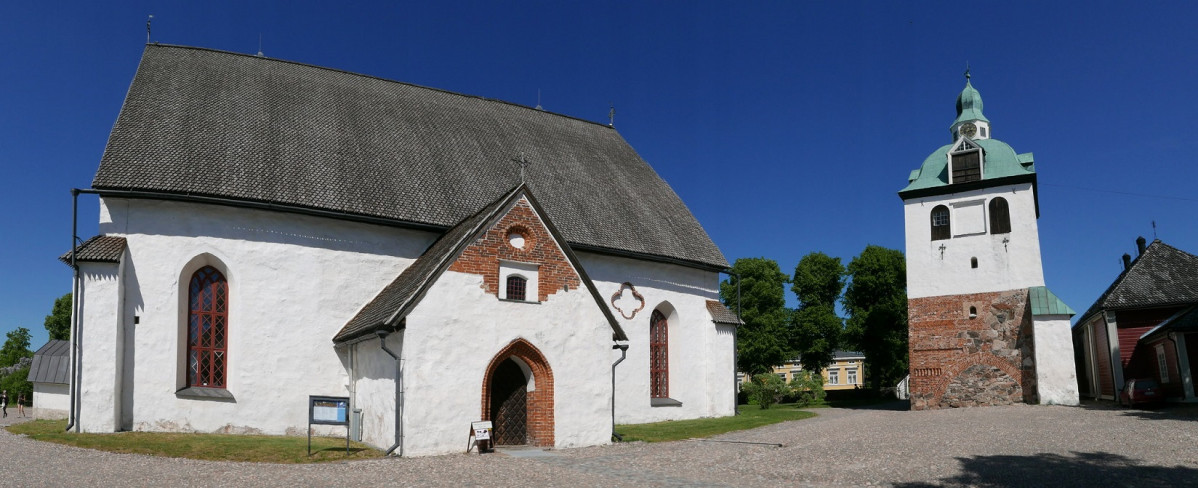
pixel 1080 469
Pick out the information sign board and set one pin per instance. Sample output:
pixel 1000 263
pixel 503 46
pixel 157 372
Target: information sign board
pixel 328 410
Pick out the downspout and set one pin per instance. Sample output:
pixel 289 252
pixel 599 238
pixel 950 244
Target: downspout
pixel 623 354
pixel 74 386
pixel 382 335
pixel 75 339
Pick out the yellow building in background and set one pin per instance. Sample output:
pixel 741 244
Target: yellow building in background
pixel 846 372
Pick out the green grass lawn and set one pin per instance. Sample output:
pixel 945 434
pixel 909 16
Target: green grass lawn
pixel 214 447
pixel 751 416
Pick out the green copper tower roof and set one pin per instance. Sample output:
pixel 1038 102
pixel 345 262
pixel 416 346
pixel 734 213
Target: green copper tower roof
pixel 999 160
pixel 969 104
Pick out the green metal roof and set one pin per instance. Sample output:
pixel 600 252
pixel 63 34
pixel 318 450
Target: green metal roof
pixel 1044 302
pixel 998 160
pixel 969 105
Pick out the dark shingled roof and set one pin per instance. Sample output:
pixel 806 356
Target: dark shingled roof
pixel 199 123
pixel 721 314
pixel 50 363
pixel 100 249
pixel 398 297
pixel 1162 276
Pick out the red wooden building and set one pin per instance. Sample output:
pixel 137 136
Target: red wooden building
pixel 1145 325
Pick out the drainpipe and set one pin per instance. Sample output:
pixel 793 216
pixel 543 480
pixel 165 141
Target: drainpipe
pixel 623 354
pixel 382 335
pixel 72 391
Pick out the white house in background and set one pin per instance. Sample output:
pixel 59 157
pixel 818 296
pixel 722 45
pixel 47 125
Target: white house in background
pixel 49 374
pixel 272 230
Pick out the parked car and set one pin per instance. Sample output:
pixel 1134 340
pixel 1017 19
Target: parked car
pixel 1142 391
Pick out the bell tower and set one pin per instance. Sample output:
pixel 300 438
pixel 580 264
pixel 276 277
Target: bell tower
pixel 975 283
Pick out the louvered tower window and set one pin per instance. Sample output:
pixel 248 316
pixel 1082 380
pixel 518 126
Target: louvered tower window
pixel 967 167
pixel 1000 216
pixel 207 329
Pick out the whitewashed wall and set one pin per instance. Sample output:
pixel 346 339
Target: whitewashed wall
pixel 1056 372
pixel 50 400
pixel 294 281
pixel 700 353
pixel 460 328
pixel 1005 261
pixel 100 330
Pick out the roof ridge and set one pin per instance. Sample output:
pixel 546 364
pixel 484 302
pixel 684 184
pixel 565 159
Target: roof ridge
pixel 379 78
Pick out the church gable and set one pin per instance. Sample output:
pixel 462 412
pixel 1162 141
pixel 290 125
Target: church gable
pixel 520 246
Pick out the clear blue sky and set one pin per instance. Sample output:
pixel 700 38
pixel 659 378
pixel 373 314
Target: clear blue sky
pixel 786 127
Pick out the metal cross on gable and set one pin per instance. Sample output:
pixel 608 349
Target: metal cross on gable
pixel 523 162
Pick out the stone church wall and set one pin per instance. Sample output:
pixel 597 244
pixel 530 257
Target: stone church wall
pixel 959 361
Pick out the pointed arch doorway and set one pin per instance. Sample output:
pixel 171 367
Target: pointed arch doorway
pixel 517 396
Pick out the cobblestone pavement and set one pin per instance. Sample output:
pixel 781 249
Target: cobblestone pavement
pixel 1016 445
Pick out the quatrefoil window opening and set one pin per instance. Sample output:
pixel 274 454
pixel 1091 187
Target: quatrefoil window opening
pixel 627 301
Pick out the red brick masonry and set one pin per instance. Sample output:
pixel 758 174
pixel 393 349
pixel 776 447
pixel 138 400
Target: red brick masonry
pixel 482 257
pixel 958 361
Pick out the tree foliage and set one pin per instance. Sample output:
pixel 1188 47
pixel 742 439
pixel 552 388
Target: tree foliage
pixel 876 302
pixel 15 347
pixel 762 340
pixel 58 323
pixel 815 328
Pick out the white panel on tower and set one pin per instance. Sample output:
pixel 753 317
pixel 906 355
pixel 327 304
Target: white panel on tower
pixel 969 218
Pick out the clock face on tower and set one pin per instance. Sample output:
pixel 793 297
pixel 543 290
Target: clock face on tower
pixel 968 129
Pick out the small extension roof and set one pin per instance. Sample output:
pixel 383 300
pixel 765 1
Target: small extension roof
pixel 1162 276
pixel 390 306
pixel 98 249
pixel 50 363
pixel 721 314
pixel 1044 302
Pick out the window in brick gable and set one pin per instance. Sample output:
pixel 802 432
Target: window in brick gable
pixel 515 287
pixel 518 281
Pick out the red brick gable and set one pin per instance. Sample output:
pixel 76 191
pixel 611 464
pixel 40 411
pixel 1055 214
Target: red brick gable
pixel 482 256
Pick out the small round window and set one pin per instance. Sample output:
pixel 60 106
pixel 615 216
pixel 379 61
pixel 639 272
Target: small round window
pixel 516 239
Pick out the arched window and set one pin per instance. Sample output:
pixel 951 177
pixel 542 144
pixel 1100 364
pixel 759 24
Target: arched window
pixel 207 329
pixel 659 357
pixel 1000 216
pixel 515 287
pixel 940 226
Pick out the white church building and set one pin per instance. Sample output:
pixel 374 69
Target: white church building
pixel 271 230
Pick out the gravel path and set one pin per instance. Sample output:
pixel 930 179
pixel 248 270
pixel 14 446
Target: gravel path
pixel 1016 445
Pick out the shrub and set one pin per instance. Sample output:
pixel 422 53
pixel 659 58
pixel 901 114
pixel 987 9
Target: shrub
pixel 808 388
pixel 766 389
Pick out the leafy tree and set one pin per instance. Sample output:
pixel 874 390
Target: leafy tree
pixel 58 323
pixel 816 329
pixel 16 347
pixel 876 301
pixel 17 382
pixel 762 340
pixel 766 389
pixel 808 387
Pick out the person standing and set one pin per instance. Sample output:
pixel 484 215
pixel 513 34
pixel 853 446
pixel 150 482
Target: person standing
pixel 4 402
pixel 21 404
